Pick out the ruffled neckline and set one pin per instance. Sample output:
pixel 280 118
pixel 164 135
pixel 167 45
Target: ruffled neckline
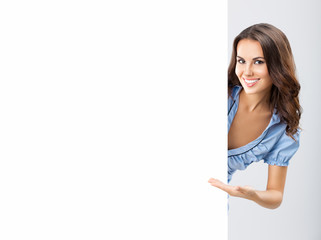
pixel 240 150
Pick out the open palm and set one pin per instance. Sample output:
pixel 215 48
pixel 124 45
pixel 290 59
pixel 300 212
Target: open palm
pixel 235 191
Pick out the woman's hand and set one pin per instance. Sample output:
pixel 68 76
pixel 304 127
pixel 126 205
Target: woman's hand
pixel 270 198
pixel 246 192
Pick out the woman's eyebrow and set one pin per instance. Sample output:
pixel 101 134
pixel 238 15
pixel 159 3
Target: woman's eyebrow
pixel 253 58
pixel 258 58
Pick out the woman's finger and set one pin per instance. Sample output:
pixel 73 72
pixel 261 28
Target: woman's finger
pixel 217 183
pixel 235 191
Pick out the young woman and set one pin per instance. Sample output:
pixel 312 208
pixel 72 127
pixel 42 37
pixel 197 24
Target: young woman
pixel 263 111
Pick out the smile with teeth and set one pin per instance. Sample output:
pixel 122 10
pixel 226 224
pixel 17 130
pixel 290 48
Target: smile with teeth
pixel 251 82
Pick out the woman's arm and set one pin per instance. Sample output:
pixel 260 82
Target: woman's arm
pixel 270 198
pixel 273 195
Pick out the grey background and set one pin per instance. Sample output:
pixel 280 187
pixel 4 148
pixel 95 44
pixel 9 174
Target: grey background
pixel 299 216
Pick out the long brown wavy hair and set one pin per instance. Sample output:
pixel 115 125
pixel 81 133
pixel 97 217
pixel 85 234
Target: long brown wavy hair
pixel 281 67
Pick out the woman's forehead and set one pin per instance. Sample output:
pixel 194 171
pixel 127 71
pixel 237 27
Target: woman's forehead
pixel 249 48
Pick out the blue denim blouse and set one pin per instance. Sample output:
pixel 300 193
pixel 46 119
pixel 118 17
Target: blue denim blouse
pixel 273 145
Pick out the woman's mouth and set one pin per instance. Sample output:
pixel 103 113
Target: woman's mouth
pixel 250 82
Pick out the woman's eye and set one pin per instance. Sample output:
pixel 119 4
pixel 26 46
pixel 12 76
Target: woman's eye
pixel 258 62
pixel 240 61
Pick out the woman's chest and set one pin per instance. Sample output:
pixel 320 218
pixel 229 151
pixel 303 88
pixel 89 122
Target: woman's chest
pixel 246 127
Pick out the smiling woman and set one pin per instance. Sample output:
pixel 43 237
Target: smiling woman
pixel 251 67
pixel 254 115
pixel 263 111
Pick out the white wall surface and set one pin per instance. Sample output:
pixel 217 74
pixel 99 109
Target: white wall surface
pixel 111 119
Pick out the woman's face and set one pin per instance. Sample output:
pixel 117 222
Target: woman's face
pixel 251 68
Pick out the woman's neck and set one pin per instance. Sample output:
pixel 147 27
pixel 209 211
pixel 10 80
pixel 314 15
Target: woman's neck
pixel 255 102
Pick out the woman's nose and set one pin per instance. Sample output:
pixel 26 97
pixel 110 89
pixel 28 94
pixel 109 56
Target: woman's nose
pixel 248 70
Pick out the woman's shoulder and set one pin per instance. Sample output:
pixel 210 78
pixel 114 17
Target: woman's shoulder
pixel 234 91
pixel 281 147
pixel 277 131
pixel 232 95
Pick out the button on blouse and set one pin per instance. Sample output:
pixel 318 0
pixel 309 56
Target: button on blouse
pixel 273 145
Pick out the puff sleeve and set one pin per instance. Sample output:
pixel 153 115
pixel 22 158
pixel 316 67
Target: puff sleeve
pixel 283 150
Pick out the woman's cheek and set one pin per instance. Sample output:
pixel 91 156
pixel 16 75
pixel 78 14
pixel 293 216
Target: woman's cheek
pixel 238 71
